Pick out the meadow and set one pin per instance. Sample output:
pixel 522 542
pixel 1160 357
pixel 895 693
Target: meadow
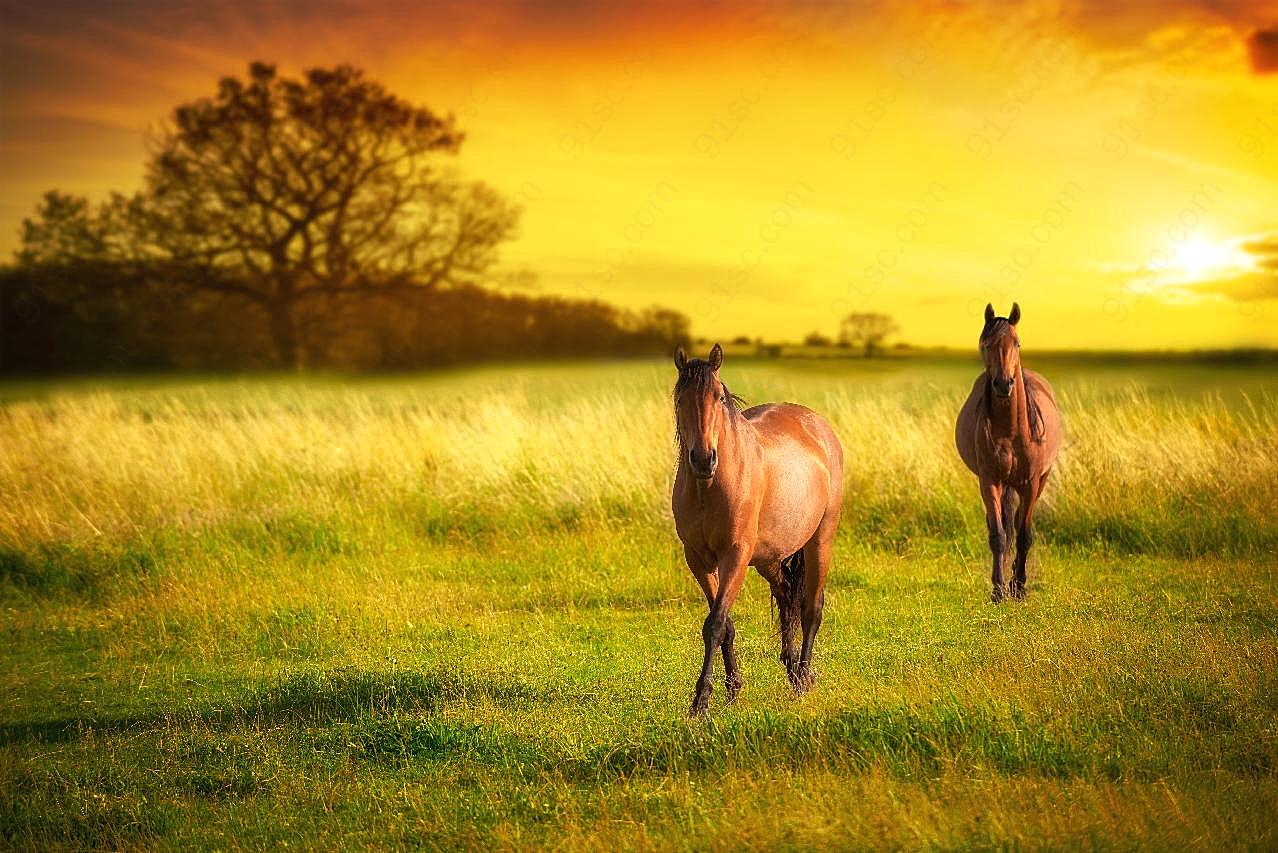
pixel 450 610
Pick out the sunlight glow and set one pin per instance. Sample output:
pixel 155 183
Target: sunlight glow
pixel 1200 258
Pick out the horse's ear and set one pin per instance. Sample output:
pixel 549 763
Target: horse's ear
pixel 716 357
pixel 681 358
pixel 989 312
pixel 1015 316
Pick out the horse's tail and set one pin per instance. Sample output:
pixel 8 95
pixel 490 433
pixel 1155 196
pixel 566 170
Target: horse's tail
pixel 788 594
pixel 792 577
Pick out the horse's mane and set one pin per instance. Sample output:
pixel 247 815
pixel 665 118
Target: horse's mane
pixel 1037 428
pixel 698 376
pixel 995 327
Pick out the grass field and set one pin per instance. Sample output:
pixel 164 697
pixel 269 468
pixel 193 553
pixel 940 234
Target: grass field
pixel 450 610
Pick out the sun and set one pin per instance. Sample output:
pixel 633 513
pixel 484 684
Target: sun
pixel 1198 258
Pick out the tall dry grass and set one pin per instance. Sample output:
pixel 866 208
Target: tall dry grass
pixel 518 452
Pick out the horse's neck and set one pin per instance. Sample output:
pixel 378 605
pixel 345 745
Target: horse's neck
pixel 1009 417
pixel 735 445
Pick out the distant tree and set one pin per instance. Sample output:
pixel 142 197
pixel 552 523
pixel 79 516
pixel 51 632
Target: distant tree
pixel 816 339
pixel 66 229
pixel 670 328
pixel 69 262
pixel 742 340
pixel 868 330
pixel 296 195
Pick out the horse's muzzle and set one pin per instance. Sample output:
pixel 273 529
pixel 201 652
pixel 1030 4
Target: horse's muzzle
pixel 703 465
pixel 1003 387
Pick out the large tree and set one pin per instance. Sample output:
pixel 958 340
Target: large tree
pixel 867 329
pixel 298 195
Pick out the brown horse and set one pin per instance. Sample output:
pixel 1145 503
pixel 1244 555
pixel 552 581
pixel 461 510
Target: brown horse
pixel 760 488
pixel 1008 433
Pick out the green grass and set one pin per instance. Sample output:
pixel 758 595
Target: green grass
pixel 450 610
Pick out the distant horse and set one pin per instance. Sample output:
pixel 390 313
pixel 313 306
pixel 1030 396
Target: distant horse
pixel 1008 433
pixel 761 488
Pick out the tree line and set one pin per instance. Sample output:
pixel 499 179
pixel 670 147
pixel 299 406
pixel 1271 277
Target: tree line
pixel 289 222
pixel 864 330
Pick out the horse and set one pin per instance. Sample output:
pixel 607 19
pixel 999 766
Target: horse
pixel 1008 433
pixel 761 487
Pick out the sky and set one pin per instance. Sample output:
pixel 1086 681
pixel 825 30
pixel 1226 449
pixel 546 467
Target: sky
pixel 764 167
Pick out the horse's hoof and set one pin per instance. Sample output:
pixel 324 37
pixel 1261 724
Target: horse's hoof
pixel 802 681
pixel 998 595
pixel 1018 592
pixel 700 704
pixel 733 687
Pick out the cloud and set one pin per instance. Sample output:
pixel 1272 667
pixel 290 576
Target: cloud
pixel 1263 246
pixel 1184 35
pixel 1264 250
pixel 1248 274
pixel 1249 287
pixel 1262 47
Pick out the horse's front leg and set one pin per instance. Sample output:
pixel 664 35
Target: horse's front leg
pixel 992 497
pixel 708 579
pixel 718 628
pixel 1008 511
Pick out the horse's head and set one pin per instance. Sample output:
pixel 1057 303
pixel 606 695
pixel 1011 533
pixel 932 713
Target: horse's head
pixel 702 406
pixel 1001 349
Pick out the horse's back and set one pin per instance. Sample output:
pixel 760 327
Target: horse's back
pixel 777 423
pixel 966 425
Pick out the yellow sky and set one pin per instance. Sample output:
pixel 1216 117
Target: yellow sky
pixel 768 168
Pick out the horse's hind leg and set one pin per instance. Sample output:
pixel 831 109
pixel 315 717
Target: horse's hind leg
pixel 1025 534
pixel 732 680
pixel 816 565
pixel 786 581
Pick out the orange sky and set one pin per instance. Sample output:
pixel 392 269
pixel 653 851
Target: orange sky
pixel 767 167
